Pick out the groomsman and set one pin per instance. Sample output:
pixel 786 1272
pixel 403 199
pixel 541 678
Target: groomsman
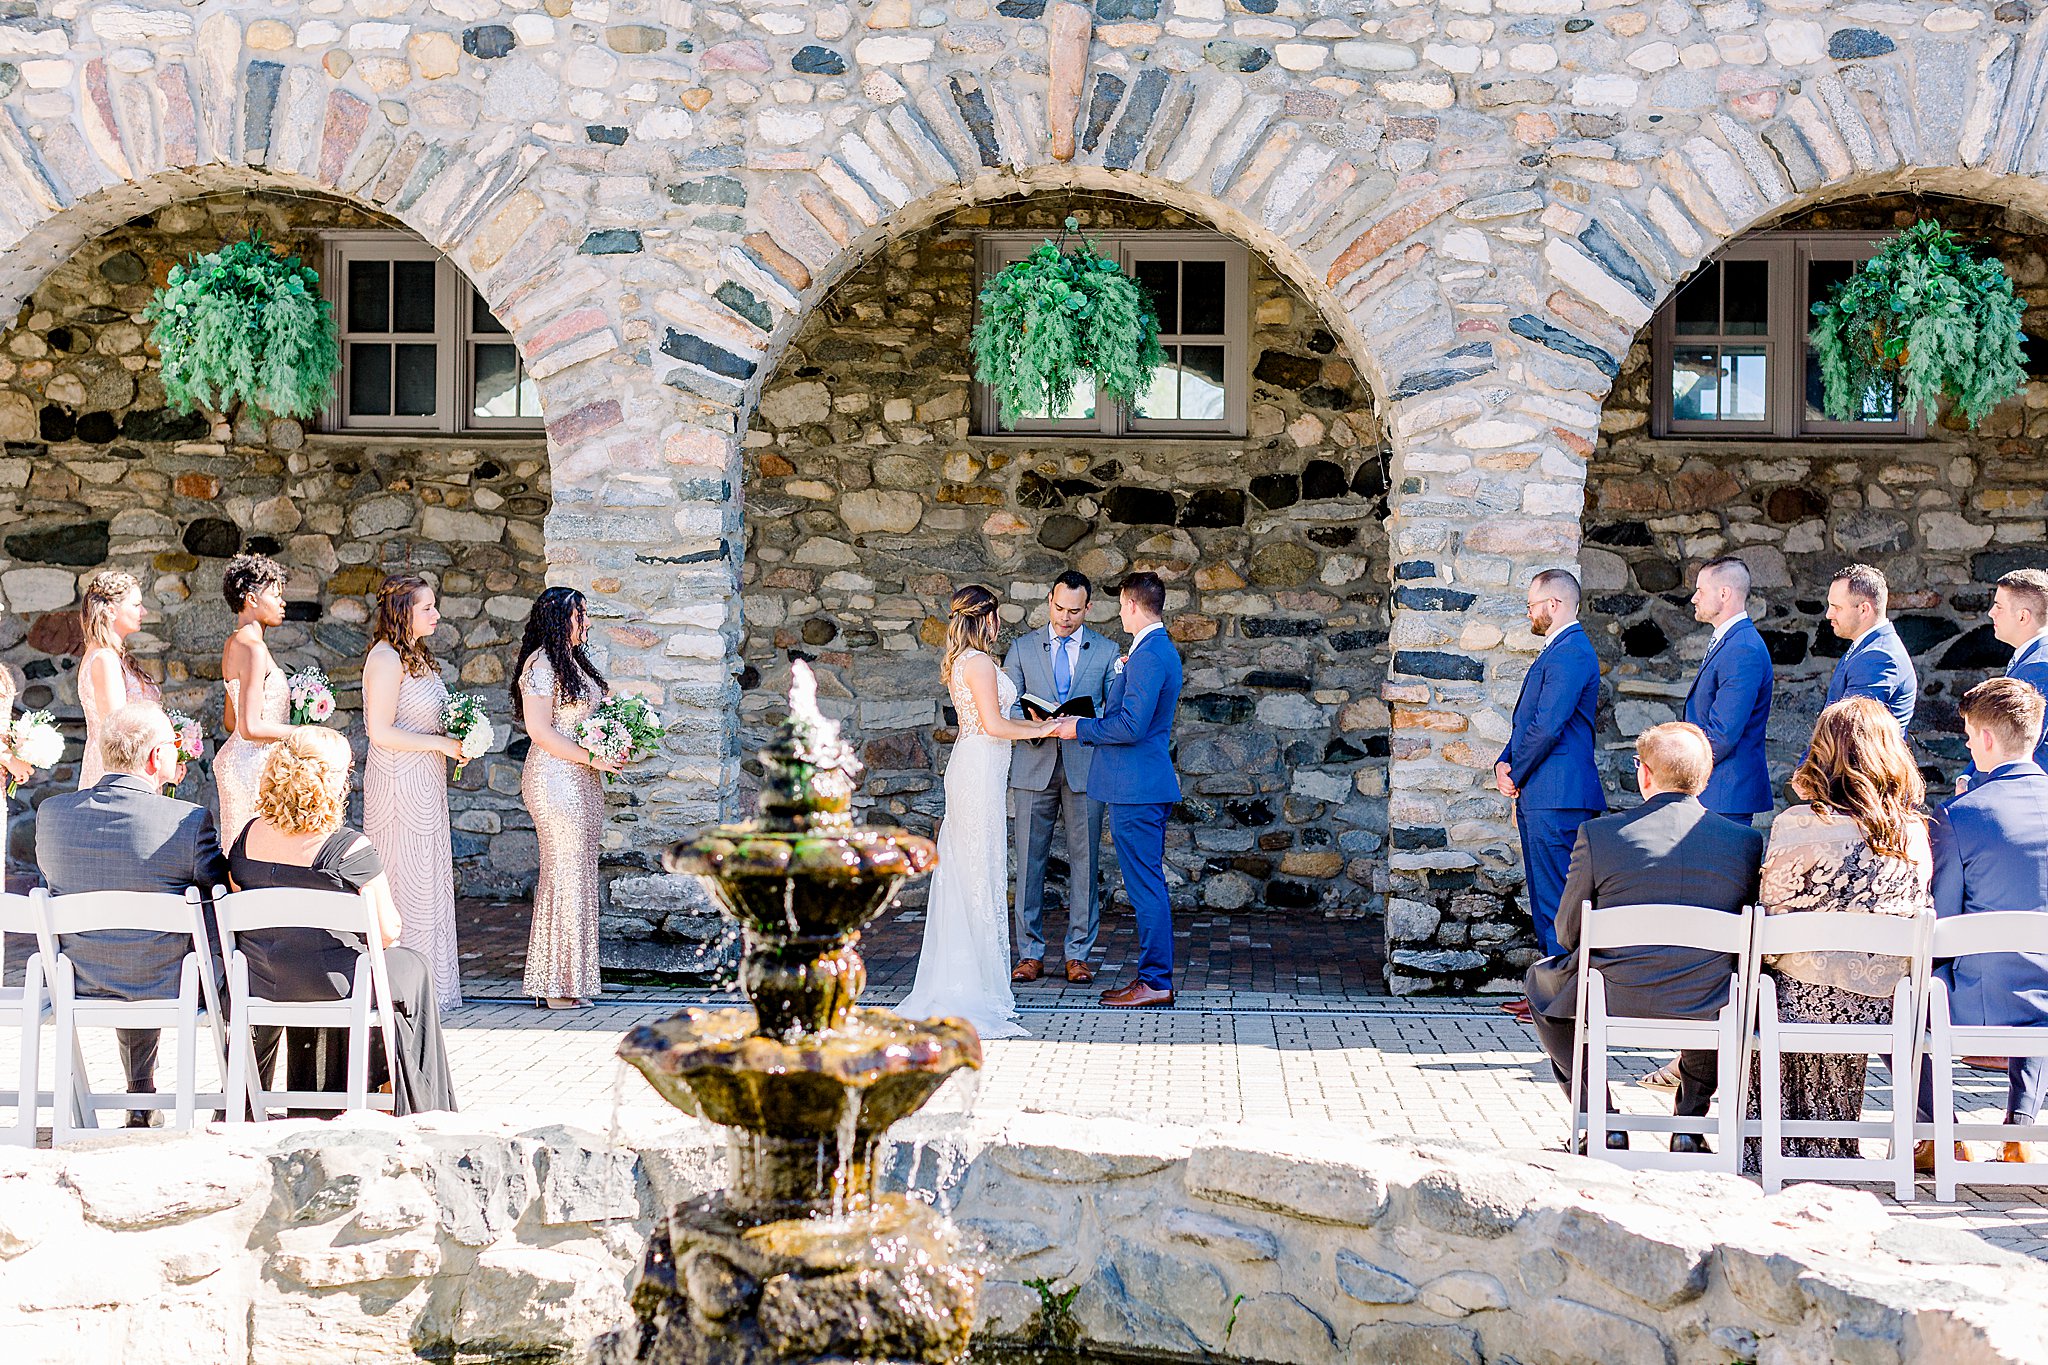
pixel 1876 664
pixel 1547 766
pixel 1730 700
pixel 1049 777
pixel 1990 849
pixel 2019 617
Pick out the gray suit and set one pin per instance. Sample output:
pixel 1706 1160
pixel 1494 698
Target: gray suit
pixel 1049 777
pixel 1670 850
pixel 121 835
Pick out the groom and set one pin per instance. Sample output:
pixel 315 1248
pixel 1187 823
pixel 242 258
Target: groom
pixel 1132 774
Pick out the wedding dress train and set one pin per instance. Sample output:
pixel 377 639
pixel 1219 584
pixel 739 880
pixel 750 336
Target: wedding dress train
pixel 963 969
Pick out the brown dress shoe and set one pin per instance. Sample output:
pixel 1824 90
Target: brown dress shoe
pixel 1079 972
pixel 1030 969
pixel 1137 995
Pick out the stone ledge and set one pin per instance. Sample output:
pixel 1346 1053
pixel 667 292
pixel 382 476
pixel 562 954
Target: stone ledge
pixel 381 1238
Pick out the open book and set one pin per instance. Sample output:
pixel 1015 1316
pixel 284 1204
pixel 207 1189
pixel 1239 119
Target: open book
pixel 1038 708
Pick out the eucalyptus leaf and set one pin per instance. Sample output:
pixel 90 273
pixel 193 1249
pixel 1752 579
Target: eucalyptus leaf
pixel 245 325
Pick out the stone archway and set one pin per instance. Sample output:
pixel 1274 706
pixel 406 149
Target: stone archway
pixel 870 497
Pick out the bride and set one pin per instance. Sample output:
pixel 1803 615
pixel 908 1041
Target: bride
pixel 963 970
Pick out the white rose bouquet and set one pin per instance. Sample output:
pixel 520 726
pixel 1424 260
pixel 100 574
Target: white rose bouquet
pixel 463 719
pixel 312 698
pixel 35 740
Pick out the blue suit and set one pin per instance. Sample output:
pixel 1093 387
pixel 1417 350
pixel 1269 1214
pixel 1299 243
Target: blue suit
pixel 1550 760
pixel 1877 666
pixel 1731 701
pixel 2030 665
pixel 1132 775
pixel 1990 849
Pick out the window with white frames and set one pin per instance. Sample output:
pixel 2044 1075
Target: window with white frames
pixel 1197 284
pixel 1730 347
pixel 420 350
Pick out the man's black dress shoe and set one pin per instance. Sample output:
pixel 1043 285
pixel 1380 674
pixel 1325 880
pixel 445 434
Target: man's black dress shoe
pixel 1692 1144
pixel 1616 1142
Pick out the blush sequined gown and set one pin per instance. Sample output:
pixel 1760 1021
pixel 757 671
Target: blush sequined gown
pixel 238 767
pixel 566 801
pixel 405 813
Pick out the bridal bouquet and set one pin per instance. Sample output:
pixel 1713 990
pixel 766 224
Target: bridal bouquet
pixel 621 730
pixel 191 742
pixel 34 740
pixel 312 698
pixel 463 718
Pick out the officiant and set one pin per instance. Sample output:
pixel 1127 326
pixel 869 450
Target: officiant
pixel 1062 668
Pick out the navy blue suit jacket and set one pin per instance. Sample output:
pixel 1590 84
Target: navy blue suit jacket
pixel 1731 701
pixel 1133 737
pixel 2030 665
pixel 1990 849
pixel 1550 751
pixel 1877 666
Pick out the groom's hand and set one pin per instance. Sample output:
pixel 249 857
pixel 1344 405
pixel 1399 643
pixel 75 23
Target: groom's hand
pixel 1068 728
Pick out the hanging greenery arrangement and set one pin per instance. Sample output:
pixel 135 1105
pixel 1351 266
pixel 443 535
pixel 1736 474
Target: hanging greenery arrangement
pixel 1927 317
pixel 1058 314
pixel 245 325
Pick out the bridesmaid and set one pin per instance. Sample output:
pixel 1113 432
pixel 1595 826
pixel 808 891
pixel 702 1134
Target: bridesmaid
pixel 254 589
pixel 108 678
pixel 558 686
pixel 405 783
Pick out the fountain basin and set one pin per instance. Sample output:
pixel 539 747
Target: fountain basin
pixel 846 876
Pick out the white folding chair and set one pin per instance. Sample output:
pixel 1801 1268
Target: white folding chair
pixel 26 1004
pixel 368 1002
pixel 1596 1032
pixel 1833 931
pixel 75 1105
pixel 2008 931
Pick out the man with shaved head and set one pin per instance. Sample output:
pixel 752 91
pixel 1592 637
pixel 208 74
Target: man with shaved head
pixel 1730 700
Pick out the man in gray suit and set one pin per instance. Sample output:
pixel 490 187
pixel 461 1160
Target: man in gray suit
pixel 1671 850
pixel 1050 776
pixel 121 834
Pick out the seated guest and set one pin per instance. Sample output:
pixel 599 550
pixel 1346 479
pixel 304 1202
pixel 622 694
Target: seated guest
pixel 1858 846
pixel 297 839
pixel 1671 850
pixel 123 834
pixel 1991 853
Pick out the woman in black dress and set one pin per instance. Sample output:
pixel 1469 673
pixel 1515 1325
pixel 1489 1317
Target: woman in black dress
pixel 297 839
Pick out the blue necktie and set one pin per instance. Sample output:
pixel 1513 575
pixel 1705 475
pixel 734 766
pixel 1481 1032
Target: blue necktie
pixel 1062 671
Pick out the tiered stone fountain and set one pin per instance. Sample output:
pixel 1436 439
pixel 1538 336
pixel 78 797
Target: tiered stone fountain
pixel 799 1259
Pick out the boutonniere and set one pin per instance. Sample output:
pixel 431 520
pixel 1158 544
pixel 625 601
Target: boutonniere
pixel 1121 660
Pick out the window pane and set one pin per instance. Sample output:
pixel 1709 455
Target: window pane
pixel 1201 298
pixel 1161 280
pixel 412 296
pixel 1746 299
pixel 1698 310
pixel 416 381
pixel 496 375
pixel 369 296
pixel 369 379
pixel 1711 383
pixel 1162 399
pixel 481 320
pixel 1201 383
pixel 1080 405
pixel 1746 392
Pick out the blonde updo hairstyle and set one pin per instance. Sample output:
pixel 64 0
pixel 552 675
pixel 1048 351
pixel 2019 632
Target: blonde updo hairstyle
pixel 103 594
pixel 973 625
pixel 304 788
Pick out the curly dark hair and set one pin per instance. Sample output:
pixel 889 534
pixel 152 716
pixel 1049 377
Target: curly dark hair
pixel 247 575
pixel 394 622
pixel 548 629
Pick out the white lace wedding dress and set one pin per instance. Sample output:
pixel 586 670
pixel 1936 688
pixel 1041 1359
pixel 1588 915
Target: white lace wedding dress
pixel 963 970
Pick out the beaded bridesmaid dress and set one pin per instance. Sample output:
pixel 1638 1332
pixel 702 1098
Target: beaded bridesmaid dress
pixel 91 768
pixel 566 801
pixel 238 767
pixel 405 813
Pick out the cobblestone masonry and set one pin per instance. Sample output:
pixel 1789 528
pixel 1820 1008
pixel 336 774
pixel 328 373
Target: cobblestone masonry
pixel 1483 198
pixel 869 502
pixel 98 474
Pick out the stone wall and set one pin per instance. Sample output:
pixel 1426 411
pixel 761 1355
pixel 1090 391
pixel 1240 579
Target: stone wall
pixel 98 474
pixel 869 500
pixel 374 1239
pixel 1942 517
